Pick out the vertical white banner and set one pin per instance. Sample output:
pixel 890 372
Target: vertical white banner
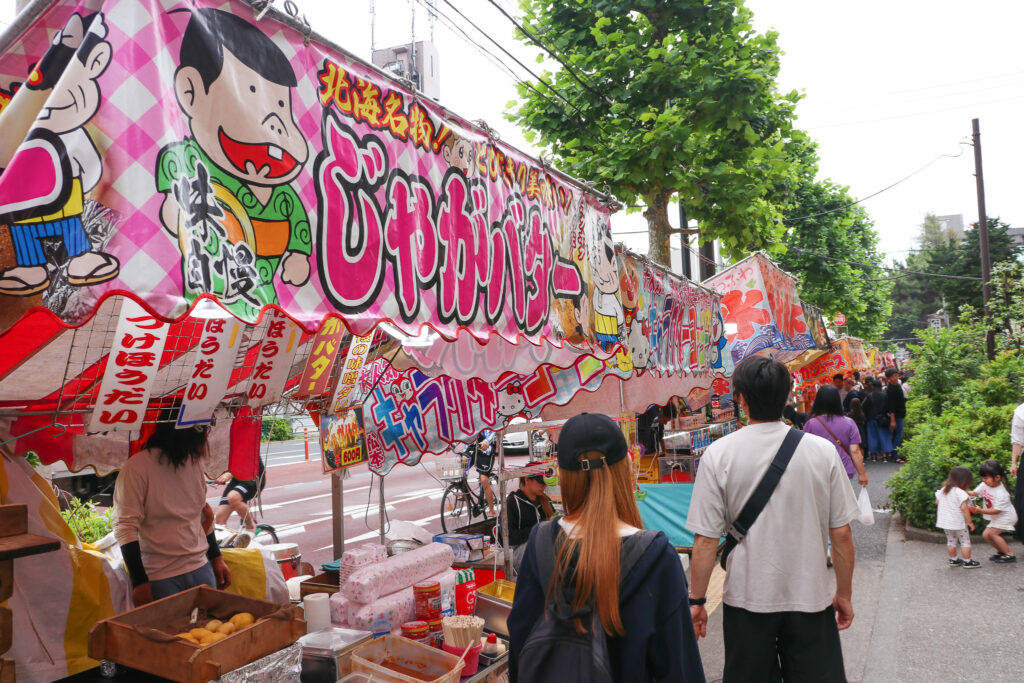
pixel 358 350
pixel 211 370
pixel 132 365
pixel 274 360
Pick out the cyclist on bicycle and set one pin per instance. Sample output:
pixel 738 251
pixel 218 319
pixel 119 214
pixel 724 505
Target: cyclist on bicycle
pixel 237 495
pixel 481 455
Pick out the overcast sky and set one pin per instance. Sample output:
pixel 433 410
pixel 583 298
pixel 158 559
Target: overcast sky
pixel 890 86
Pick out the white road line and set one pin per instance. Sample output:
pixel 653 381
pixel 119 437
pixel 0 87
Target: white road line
pixel 291 532
pixel 272 506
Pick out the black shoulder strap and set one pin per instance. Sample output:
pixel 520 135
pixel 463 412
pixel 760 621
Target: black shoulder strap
pixel 759 498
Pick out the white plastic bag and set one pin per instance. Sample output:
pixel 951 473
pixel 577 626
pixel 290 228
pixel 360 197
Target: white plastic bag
pixel 867 515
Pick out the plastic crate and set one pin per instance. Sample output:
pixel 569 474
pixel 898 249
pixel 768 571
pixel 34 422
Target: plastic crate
pixel 449 469
pixel 425 660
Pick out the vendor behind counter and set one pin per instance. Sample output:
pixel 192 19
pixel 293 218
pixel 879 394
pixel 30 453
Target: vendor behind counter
pixel 527 507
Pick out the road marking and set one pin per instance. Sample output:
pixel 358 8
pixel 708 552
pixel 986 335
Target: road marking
pixel 272 506
pixel 290 532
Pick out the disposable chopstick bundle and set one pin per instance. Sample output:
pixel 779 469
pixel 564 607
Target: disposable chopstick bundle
pixel 463 630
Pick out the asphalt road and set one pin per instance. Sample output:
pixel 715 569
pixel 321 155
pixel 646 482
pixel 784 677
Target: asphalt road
pixel 297 499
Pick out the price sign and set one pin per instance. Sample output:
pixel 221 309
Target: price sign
pixel 840 320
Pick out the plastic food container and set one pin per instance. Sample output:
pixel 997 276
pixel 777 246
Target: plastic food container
pixel 412 662
pixel 326 653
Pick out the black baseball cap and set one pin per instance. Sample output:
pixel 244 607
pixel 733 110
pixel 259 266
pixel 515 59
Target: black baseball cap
pixel 590 432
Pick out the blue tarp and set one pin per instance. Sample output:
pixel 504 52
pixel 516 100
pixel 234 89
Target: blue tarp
pixel 665 508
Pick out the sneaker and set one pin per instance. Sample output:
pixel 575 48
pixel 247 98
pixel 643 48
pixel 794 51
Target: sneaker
pixel 1005 559
pixel 955 562
pixel 995 557
pixel 970 564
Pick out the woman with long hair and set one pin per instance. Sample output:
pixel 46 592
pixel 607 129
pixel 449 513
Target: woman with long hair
pixel 597 573
pixel 828 422
pixel 161 518
pixel 876 416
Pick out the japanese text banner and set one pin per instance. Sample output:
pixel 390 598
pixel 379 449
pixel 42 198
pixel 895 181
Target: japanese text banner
pixel 178 148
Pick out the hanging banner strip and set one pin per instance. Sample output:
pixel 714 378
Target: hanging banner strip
pixel 131 370
pixel 274 360
pixel 223 155
pixel 354 362
pixel 211 370
pixel 316 378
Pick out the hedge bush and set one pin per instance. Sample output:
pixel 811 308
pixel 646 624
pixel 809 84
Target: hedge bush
pixel 965 422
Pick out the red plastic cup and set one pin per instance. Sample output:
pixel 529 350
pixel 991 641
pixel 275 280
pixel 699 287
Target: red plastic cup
pixel 472 659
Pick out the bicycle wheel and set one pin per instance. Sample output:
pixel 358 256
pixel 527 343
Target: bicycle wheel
pixel 456 510
pixel 265 535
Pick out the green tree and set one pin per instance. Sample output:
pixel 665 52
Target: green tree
pixel 680 99
pixel 967 263
pixel 852 281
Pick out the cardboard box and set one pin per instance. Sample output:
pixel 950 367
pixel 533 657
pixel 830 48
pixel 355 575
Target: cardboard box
pixel 467 547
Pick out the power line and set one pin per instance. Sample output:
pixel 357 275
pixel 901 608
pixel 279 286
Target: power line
pixel 973 105
pixel 875 194
pixel 839 100
pixel 861 104
pixel 514 58
pixel 536 41
pixel 887 268
pixel 484 51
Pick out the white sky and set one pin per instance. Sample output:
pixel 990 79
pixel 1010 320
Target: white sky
pixel 889 87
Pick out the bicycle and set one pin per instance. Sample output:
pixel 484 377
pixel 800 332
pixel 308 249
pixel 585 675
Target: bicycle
pixel 459 503
pixel 263 534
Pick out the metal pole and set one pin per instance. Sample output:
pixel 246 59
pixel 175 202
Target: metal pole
pixel 373 29
pixel 337 512
pixel 381 509
pixel 412 50
pixel 986 265
pixel 685 243
pixel 503 524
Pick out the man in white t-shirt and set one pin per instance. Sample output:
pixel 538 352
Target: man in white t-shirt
pixel 1016 446
pixel 781 616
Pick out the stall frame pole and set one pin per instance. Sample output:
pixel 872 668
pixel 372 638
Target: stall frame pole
pixel 337 512
pixel 503 522
pixel 381 509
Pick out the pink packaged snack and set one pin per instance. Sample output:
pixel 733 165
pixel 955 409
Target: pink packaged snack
pixel 396 573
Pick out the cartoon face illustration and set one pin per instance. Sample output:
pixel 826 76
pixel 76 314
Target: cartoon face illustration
pixel 228 201
pixel 582 313
pixel 458 152
pixel 629 284
pixel 639 344
pixel 510 400
pixel 49 201
pixel 603 264
pixel 403 391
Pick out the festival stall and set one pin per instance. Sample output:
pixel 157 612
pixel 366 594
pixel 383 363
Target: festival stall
pixel 845 357
pixel 212 210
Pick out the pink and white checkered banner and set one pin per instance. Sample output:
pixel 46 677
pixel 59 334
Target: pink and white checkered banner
pixel 166 149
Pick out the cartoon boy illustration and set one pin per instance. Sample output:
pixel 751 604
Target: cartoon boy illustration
pixel 458 152
pixel 228 200
pixel 58 164
pixel 609 321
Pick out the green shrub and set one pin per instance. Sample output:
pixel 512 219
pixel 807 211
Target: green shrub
pixel 88 523
pixel 276 429
pixel 971 425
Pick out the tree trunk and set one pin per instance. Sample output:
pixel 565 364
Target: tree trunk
pixel 658 228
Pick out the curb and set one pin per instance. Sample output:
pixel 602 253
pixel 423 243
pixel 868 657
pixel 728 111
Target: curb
pixel 912 533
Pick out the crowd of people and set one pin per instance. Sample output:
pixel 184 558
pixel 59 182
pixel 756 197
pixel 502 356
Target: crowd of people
pixel 877 406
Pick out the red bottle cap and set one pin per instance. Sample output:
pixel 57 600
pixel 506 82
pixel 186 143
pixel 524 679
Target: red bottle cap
pixel 492 638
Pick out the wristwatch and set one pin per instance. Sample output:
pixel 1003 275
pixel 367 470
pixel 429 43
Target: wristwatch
pixel 695 602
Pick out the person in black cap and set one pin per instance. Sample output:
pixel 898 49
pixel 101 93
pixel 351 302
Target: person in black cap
pixel 527 507
pixel 643 610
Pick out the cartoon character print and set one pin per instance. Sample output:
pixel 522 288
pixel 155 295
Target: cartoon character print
pixel 629 288
pixel 511 401
pixel 57 165
pixel 403 391
pixel 609 320
pixel 458 153
pixel 639 343
pixel 227 194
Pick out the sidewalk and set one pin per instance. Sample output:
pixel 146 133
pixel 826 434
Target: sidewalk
pixel 916 619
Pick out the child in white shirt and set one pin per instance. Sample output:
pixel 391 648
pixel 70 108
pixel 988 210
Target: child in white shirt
pixel 998 510
pixel 952 516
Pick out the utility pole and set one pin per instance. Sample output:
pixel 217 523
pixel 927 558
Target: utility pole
pixel 685 240
pixel 986 265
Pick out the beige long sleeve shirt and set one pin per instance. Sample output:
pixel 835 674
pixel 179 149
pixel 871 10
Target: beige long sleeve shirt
pixel 161 508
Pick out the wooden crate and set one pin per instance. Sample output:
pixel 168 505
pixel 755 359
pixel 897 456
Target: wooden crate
pixel 136 639
pixel 328 582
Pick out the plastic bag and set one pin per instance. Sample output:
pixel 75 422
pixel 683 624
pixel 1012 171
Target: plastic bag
pixel 867 515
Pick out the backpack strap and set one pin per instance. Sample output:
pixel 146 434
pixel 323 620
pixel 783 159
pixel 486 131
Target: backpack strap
pixel 738 530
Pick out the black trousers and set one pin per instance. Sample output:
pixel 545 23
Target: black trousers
pixel 794 647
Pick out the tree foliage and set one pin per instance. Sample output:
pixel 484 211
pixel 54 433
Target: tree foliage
pixel 916 296
pixel 850 280
pixel 680 99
